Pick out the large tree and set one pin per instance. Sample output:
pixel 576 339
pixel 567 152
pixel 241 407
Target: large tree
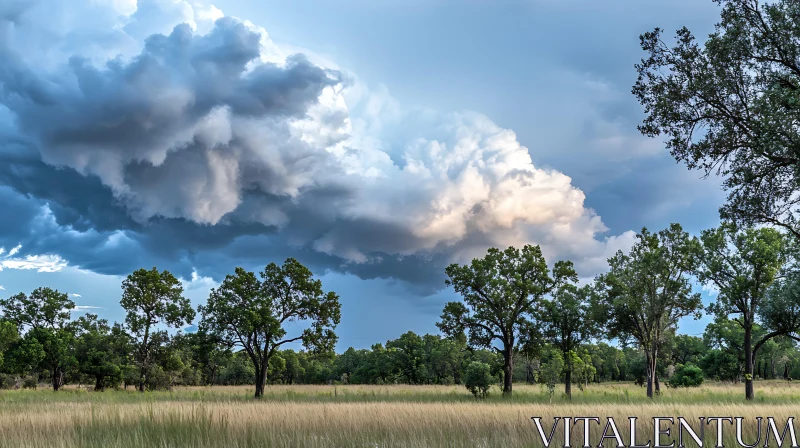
pixel 742 264
pixel 501 291
pixel 45 314
pixel 647 291
pixel 254 314
pixel 730 106
pixel 151 298
pixel 567 323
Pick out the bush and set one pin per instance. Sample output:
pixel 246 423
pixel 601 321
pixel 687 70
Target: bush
pixel 30 382
pixel 478 378
pixel 687 376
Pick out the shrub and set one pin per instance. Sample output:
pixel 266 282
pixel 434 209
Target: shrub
pixel 478 378
pixel 687 376
pixel 30 382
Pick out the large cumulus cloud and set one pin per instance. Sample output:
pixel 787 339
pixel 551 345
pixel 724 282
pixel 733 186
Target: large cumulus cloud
pixel 204 146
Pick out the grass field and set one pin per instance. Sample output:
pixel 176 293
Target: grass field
pixel 358 416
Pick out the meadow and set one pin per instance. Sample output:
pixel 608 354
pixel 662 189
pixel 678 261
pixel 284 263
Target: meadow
pixel 357 416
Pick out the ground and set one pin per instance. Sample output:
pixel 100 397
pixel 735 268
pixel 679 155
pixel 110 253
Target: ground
pixel 359 416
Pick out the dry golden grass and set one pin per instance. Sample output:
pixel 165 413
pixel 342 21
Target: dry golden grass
pixel 354 416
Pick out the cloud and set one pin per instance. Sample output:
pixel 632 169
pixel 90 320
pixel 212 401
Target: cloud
pixel 40 263
pixel 205 150
pixel 85 308
pixel 2 288
pixel 75 295
pixel 710 289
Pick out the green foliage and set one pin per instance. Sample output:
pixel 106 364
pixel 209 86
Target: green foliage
pixel 729 106
pixel 252 314
pixel 45 314
pixel 647 291
pixel 478 379
pixel 501 291
pixel 687 376
pixel 150 298
pixel 567 323
pixel 551 370
pixel 97 351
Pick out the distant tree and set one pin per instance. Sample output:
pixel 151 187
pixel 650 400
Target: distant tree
pixel 501 291
pixel 741 264
pixel 478 379
pixel 251 314
pixel 151 298
pixel 568 323
pixel 408 356
pixel 687 349
pixel 46 315
pixel 646 292
pixel 730 106
pixel 779 313
pixel 207 353
pixel 293 370
pixel 9 336
pixel 95 352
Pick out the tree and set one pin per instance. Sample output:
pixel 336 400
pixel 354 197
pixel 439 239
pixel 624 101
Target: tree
pixel 500 293
pixel 95 352
pixel 551 370
pixel 687 349
pixel 408 356
pixel 478 379
pixel 251 314
pixel 206 352
pixel 567 324
pixel 741 264
pixel 45 313
pixel 729 106
pixel 646 292
pixel 151 298
pixel 779 313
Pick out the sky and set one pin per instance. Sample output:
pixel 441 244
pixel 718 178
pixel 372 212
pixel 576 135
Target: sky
pixel 376 142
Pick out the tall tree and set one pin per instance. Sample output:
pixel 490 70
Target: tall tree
pixel 252 314
pixel 567 323
pixel 151 298
pixel 741 264
pixel 647 291
pixel 501 291
pixel 730 106
pixel 45 313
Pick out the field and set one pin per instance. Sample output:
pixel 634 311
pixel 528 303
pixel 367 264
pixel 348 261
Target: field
pixel 358 416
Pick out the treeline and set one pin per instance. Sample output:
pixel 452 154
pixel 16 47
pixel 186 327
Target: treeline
pixel 516 313
pixel 519 320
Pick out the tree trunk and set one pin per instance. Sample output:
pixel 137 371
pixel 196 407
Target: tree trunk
pixel 261 379
pixel 98 384
pixel 508 370
pixel 568 383
pixel 145 359
pixel 651 370
pixel 772 367
pixel 57 379
pixel 748 361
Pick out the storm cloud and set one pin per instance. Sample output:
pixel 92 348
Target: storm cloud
pixel 205 147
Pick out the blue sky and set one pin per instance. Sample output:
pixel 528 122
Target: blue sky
pixel 410 135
